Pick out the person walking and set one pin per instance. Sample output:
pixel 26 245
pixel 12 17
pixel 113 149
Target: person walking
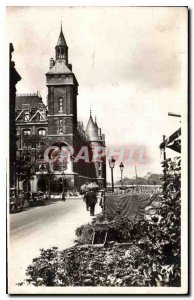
pixel 86 200
pixel 91 199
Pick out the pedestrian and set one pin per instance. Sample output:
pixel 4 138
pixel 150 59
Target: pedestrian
pixel 86 200
pixel 91 200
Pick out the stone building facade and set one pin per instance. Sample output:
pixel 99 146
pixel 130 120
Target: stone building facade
pixel 58 123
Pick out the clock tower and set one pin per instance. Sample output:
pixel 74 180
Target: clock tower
pixel 62 96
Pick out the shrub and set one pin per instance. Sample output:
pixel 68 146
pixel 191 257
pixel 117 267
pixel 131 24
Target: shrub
pixel 84 234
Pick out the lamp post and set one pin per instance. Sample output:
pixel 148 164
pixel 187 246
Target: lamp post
pixel 121 168
pixel 112 165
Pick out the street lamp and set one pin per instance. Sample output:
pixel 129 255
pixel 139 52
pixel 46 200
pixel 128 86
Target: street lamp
pixel 112 165
pixel 121 168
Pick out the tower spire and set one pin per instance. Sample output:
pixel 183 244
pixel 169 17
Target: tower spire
pixel 95 122
pixel 61 47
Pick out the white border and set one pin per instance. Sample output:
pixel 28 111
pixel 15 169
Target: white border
pixel 5 129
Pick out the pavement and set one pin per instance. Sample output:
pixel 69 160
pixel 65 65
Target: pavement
pixel 42 227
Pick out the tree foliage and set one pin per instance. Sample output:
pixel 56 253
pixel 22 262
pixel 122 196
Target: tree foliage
pixel 152 179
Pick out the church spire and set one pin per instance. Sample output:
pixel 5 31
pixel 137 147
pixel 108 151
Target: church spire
pixel 61 47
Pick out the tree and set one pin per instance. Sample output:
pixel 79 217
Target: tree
pixel 154 179
pixel 26 161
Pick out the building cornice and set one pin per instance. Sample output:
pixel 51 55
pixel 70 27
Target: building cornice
pixel 60 135
pixel 60 115
pixel 32 123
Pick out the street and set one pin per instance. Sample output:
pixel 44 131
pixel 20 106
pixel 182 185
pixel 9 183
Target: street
pixel 42 227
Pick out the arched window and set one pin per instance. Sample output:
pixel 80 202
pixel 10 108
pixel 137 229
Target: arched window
pixel 60 105
pixel 26 132
pixel 26 138
pixel 41 132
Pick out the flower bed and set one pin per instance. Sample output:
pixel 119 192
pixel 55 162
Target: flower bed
pixel 93 266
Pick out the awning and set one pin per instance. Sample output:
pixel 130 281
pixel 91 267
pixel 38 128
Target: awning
pixel 128 205
pixel 173 142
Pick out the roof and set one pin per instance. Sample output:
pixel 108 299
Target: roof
pixel 60 68
pixel 31 99
pixel 95 122
pixel 61 39
pixel 92 131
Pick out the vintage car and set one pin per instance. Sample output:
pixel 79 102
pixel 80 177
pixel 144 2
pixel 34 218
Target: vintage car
pixel 16 199
pixel 38 198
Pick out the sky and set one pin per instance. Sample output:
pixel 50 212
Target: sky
pixel 130 63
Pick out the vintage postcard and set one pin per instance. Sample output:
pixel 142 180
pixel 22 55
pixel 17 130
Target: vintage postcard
pixel 98 123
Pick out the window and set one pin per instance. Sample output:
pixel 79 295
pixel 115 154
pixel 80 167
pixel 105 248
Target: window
pixel 26 132
pixel 26 138
pixel 60 105
pixel 27 116
pixel 41 132
pixel 42 167
pixel 100 169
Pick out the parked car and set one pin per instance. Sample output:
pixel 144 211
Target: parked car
pixel 16 200
pixel 38 198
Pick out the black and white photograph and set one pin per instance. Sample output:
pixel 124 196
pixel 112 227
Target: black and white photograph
pixel 97 168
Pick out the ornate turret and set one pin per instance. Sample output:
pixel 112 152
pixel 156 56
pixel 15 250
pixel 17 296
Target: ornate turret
pixel 92 130
pixel 60 65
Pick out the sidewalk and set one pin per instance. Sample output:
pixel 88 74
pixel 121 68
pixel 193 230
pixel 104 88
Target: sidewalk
pixel 43 227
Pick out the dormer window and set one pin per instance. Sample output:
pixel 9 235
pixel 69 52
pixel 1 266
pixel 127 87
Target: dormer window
pixel 27 116
pixel 60 105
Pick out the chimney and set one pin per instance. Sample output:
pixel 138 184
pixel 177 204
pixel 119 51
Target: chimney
pixel 52 63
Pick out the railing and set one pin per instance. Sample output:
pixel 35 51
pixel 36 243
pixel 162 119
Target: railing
pixel 27 94
pixel 118 189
